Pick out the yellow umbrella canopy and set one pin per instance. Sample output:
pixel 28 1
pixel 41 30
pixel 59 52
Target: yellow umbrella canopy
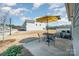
pixel 46 19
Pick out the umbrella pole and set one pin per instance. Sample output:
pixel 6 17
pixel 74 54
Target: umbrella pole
pixel 47 33
pixel 47 28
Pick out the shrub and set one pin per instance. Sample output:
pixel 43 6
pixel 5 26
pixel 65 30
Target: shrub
pixel 13 51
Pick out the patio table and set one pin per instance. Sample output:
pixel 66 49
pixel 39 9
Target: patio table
pixel 49 37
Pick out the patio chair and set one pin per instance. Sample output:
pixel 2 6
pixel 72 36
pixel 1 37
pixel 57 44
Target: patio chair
pixel 40 37
pixel 50 39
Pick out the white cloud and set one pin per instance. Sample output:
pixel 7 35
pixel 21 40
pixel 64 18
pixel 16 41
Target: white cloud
pixel 61 11
pixel 19 11
pixel 6 8
pixel 23 18
pixel 10 4
pixel 57 9
pixel 36 5
pixel 16 12
pixel 54 5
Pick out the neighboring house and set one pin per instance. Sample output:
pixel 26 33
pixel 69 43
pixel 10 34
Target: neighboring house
pixel 61 28
pixel 73 15
pixel 32 25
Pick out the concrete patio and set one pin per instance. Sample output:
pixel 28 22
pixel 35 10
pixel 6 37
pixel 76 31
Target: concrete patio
pixel 42 49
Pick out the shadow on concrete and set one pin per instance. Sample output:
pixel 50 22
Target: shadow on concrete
pixel 27 40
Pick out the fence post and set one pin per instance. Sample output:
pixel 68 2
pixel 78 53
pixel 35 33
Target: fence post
pixel 10 26
pixel 3 28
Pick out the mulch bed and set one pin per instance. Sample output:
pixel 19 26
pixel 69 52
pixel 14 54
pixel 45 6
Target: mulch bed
pixel 6 42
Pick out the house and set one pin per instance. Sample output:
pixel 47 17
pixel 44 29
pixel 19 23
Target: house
pixel 63 27
pixel 32 25
pixel 73 16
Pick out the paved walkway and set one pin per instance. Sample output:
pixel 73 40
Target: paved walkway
pixel 42 49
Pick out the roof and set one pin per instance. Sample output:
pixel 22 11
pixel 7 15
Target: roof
pixel 30 21
pixel 69 9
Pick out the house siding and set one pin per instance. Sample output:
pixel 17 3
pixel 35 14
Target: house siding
pixel 35 26
pixel 75 29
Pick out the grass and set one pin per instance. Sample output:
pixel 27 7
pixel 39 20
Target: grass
pixel 13 50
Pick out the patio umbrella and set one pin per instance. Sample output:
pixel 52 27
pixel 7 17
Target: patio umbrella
pixel 47 19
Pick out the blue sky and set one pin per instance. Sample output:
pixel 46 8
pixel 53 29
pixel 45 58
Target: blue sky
pixel 18 12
